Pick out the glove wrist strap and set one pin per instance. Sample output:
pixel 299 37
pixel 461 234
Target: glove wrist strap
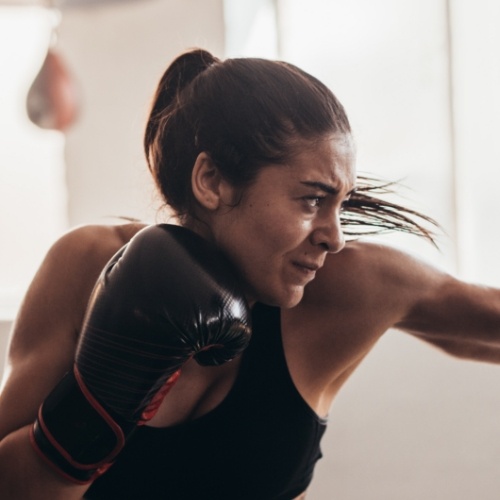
pixel 75 434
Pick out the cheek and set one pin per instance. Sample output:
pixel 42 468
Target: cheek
pixel 272 239
pixel 266 248
pixel 258 240
pixel 254 248
pixel 261 251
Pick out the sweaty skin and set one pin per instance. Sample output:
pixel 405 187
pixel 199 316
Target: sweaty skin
pixel 284 233
pixel 325 336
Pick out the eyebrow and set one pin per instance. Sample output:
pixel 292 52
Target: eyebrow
pixel 326 187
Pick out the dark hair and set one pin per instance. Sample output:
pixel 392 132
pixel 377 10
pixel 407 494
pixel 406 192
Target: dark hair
pixel 366 212
pixel 245 113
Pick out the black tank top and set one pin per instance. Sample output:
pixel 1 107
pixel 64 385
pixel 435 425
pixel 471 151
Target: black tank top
pixel 261 443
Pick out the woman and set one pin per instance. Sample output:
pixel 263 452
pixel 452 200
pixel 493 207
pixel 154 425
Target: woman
pixel 256 157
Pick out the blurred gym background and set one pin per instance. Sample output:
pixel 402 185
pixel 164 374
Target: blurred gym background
pixel 419 80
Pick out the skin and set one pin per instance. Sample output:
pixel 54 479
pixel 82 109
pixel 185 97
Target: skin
pixel 283 227
pixel 336 300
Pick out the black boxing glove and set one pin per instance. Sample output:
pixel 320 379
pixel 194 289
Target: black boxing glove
pixel 165 297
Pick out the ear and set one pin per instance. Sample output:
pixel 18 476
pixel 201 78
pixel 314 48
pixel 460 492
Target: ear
pixel 209 187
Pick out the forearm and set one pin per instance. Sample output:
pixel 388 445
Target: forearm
pixel 462 318
pixel 24 475
pixel 466 349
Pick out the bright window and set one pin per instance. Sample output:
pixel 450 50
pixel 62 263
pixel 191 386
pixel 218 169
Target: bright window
pixel 390 75
pixel 32 184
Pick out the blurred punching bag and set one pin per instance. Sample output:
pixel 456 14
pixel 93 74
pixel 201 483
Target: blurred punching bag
pixel 52 98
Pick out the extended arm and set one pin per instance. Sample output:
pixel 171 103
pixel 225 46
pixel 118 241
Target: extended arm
pixel 370 288
pixel 463 319
pixel 460 318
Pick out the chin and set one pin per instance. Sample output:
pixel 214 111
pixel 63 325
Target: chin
pixel 284 297
pixel 291 303
pixel 285 300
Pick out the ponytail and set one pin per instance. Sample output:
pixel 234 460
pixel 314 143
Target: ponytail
pixel 169 138
pixel 247 113
pixel 181 72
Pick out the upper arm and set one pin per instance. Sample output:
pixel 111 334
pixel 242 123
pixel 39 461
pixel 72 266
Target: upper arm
pixel 45 332
pixel 368 289
pixel 377 286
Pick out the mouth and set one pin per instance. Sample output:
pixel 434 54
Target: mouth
pixel 307 268
pixel 310 266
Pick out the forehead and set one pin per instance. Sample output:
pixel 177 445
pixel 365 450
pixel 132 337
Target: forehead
pixel 331 160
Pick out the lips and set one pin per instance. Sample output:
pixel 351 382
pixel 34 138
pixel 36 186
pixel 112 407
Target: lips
pixel 306 270
pixel 310 266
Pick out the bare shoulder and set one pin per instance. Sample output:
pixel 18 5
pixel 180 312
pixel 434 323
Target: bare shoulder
pixel 45 332
pixel 370 274
pixel 85 249
pixel 351 302
pixel 94 241
pixel 57 297
pixel 365 290
pixel 357 296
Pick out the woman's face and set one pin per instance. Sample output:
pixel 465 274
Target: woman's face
pixel 287 220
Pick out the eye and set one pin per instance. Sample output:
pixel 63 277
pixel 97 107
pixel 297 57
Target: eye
pixel 313 201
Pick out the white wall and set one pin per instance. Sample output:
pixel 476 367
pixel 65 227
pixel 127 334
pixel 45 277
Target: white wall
pixel 117 55
pixel 32 170
pixel 476 80
pixel 411 423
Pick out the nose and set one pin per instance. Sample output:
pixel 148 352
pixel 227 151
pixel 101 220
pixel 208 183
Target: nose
pixel 329 235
